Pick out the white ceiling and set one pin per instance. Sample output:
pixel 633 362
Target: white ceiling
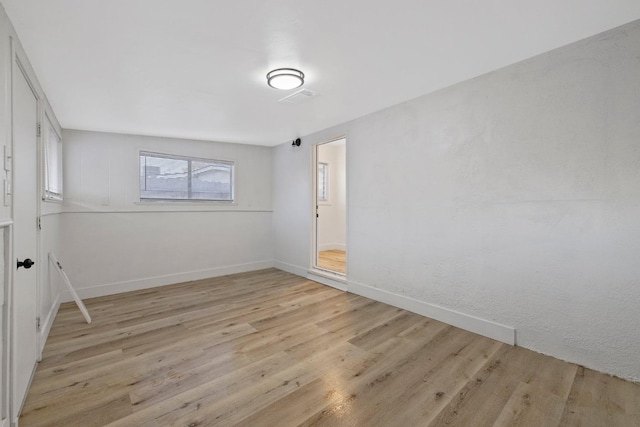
pixel 196 68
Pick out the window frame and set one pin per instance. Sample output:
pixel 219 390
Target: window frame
pixel 325 176
pixel 51 126
pixel 189 159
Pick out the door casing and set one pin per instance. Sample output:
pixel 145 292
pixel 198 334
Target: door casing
pixel 314 212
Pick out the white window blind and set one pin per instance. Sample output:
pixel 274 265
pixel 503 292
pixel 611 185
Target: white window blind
pixel 169 177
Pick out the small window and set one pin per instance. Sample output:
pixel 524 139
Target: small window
pixel 323 182
pixel 52 163
pixel 168 177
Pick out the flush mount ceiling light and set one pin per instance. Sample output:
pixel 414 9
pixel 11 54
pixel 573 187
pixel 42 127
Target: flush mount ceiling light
pixel 285 78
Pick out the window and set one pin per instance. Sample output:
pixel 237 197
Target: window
pixel 323 182
pixel 168 177
pixel 52 162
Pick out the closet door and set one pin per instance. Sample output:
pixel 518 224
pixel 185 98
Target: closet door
pixel 25 181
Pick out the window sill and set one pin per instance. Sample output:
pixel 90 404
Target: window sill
pixel 53 200
pixel 164 202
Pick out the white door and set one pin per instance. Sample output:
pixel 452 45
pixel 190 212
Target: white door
pixel 24 336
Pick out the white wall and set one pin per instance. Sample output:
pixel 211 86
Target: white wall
pixel 292 205
pixel 5 217
pixel 332 232
pixel 50 282
pixel 50 242
pixel 5 119
pixel 47 294
pixel 511 198
pixel 113 243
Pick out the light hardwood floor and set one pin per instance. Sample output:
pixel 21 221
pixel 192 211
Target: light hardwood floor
pixel 334 260
pixel 271 349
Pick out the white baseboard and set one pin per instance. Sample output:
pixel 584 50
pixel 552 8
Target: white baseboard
pixel 487 328
pixel 290 268
pixel 328 279
pixel 332 246
pixel 333 280
pixel 46 324
pixel 474 324
pixel 170 279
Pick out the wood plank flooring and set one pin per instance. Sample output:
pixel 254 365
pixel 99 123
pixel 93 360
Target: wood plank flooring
pixel 334 260
pixel 271 349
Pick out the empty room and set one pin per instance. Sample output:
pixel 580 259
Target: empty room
pixel 339 213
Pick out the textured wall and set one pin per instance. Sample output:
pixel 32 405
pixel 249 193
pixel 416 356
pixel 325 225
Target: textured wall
pixel 292 205
pixel 513 197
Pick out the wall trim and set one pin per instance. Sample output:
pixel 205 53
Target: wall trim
pixel 169 279
pixel 290 268
pixel 47 323
pixel 166 209
pixel 326 278
pixel 50 213
pixel 477 325
pixel 487 328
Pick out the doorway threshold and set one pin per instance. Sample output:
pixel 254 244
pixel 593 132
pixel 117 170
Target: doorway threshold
pixel 329 278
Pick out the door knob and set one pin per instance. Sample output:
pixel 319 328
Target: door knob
pixel 27 263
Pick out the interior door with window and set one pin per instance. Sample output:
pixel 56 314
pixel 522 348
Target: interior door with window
pixel 24 309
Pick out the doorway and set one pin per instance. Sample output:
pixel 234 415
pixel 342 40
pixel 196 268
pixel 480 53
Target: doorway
pixel 331 204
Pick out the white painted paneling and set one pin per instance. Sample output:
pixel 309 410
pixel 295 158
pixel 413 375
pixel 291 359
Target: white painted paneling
pixel 511 198
pixel 50 241
pixel 106 253
pixel 5 105
pixel 114 243
pixel 50 282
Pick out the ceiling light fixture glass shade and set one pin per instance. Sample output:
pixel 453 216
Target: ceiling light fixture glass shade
pixel 285 78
